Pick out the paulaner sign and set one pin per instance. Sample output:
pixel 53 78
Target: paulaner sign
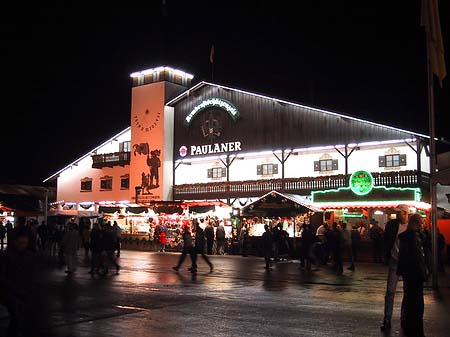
pixel 196 150
pixel 213 102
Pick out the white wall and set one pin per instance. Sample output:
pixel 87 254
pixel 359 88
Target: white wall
pixel 69 183
pixel 367 158
pixel 300 164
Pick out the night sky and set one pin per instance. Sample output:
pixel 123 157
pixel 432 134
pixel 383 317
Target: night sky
pixel 66 65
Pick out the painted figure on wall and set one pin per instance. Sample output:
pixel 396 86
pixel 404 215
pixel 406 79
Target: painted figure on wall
pixel 149 180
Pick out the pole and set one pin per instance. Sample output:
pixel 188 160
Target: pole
pixel 46 207
pixel 431 125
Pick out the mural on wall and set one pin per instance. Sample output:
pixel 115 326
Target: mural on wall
pixel 147 139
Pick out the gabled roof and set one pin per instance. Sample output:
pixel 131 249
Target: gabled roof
pixel 196 87
pixel 87 154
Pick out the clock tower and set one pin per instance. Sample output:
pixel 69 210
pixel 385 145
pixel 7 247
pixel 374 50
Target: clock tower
pixel 151 165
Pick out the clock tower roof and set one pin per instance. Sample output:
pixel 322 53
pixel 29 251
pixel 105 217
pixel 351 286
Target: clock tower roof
pixel 161 73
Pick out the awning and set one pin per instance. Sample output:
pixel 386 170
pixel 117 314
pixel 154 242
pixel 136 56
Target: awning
pixel 137 210
pixel 277 204
pixel 108 209
pixel 74 213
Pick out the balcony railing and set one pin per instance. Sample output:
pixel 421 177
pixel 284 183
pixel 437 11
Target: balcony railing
pixel 302 186
pixel 110 159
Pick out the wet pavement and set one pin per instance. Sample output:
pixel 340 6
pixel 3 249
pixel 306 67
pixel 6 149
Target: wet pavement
pixel 239 298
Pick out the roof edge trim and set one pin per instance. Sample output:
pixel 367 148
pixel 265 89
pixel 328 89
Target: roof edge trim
pixel 87 154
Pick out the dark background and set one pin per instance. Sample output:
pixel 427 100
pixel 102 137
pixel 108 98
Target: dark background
pixel 66 65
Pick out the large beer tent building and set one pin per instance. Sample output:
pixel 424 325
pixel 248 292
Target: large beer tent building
pixel 210 142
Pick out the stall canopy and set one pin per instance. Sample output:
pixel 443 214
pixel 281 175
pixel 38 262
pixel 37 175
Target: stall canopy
pixel 277 204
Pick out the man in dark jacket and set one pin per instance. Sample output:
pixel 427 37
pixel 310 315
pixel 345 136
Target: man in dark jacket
pixel 336 246
pixel 200 249
pixel 17 284
pixel 109 246
pixel 413 269
pixel 391 247
pixel 209 234
pixel 267 240
pixel 96 248
pixel 307 241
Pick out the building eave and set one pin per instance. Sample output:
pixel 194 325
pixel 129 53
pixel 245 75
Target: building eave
pixel 86 155
pixel 204 83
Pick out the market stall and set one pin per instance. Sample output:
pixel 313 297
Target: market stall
pixel 275 208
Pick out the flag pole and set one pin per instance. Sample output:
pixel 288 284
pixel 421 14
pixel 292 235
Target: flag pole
pixel 432 132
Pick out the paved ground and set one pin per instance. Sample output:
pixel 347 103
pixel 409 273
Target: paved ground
pixel 239 299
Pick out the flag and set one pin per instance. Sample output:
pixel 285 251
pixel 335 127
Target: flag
pixel 211 54
pixel 430 20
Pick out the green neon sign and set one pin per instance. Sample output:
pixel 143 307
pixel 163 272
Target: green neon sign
pixel 361 182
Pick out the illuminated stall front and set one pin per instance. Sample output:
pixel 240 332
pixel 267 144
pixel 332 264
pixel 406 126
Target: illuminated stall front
pixel 365 199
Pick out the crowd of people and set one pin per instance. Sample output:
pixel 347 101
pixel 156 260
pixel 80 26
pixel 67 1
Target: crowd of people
pixel 404 244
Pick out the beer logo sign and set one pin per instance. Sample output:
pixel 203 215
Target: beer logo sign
pixel 183 151
pixel 361 182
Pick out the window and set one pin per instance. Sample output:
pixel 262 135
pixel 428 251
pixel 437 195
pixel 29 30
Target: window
pixel 106 184
pixel 326 165
pixel 125 147
pixel 392 160
pixel 217 172
pixel 267 169
pixel 86 185
pixel 124 183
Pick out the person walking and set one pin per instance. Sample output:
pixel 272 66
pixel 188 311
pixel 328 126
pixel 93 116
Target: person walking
pixel 109 246
pixel 95 244
pixel 209 234
pixel 70 245
pixel 336 245
pixel 347 241
pixel 376 235
pixel 118 234
pixel 220 239
pixel 267 240
pixel 414 271
pixel 391 243
pixel 188 248
pixel 200 249
pixel 2 235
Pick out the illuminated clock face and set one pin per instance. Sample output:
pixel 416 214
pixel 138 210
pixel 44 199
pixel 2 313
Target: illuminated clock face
pixel 361 182
pixel 147 120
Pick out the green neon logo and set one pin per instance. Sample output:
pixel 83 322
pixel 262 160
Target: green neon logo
pixel 361 182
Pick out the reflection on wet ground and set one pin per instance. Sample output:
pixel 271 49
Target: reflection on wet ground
pixel 239 299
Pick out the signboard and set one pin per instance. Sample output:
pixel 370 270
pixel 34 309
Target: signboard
pixel 361 182
pixel 147 142
pixel 213 102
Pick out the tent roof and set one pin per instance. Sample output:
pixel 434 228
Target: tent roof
pixel 277 204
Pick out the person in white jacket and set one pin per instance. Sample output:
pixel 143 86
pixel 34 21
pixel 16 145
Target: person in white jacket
pixel 70 245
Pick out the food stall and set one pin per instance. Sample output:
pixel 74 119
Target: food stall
pixel 274 208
